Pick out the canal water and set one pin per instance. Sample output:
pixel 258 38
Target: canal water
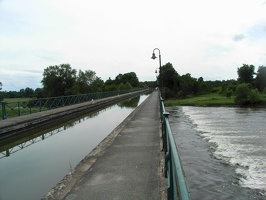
pixel 223 151
pixel 29 168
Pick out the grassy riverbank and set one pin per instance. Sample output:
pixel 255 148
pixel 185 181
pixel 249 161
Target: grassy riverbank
pixel 212 99
pixel 8 100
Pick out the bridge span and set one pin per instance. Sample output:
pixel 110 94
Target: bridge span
pixel 132 162
pixel 125 165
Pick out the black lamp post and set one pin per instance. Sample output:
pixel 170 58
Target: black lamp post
pixel 157 80
pixel 160 66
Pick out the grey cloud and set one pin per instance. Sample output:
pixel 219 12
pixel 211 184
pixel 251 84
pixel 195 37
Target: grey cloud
pixel 238 37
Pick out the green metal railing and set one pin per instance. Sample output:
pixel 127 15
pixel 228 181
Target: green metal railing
pixel 177 187
pixel 18 108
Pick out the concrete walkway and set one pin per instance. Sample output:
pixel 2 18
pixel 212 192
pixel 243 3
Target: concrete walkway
pixel 129 166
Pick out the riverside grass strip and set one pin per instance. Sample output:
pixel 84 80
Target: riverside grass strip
pixel 211 99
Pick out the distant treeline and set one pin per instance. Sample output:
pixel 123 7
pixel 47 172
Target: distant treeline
pixel 62 80
pixel 246 88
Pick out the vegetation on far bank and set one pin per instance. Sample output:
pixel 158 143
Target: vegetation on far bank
pixel 248 90
pixel 62 80
pixel 211 99
pixel 22 99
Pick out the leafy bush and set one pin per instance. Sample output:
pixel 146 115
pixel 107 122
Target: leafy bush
pixel 215 89
pixel 121 86
pixel 229 93
pixel 128 86
pixel 242 94
pixel 168 93
pixel 254 97
pixel 245 96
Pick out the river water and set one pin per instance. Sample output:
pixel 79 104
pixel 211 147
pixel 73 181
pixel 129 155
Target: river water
pixel 30 167
pixel 223 150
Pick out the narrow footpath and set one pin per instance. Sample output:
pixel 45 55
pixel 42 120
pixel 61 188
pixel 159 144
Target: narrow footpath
pixel 126 165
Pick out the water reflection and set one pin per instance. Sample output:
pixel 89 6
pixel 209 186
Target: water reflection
pixel 130 103
pixel 37 161
pixel 8 148
pixel 19 143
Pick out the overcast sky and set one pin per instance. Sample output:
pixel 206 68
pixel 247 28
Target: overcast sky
pixel 206 38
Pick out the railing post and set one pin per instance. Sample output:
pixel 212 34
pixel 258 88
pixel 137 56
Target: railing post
pixel 63 101
pixel 18 108
pixel 161 107
pixel 165 142
pixel 30 102
pixel 3 104
pixel 40 101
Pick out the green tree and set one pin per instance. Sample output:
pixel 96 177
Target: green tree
pixel 28 92
pixel 112 87
pixel 204 87
pixel 150 84
pixel 109 81
pixel 39 93
pixel 121 86
pixel 88 81
pixel 130 77
pixel 97 85
pixel 245 95
pixel 242 94
pixel 11 94
pixel 228 87
pixel 21 93
pixel 188 85
pixel 168 79
pixel 128 86
pixel 246 73
pixel 254 97
pixel 260 80
pixel 58 80
pixel 119 79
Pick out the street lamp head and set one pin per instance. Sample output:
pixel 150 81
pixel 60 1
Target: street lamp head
pixel 156 71
pixel 153 56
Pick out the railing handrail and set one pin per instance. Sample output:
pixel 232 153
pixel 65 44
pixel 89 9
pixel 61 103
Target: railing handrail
pixel 173 170
pixel 43 104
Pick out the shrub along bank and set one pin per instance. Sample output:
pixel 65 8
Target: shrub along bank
pixel 212 99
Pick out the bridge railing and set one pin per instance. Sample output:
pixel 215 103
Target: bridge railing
pixel 18 108
pixel 173 170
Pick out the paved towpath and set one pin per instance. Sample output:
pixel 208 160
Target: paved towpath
pixel 129 166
